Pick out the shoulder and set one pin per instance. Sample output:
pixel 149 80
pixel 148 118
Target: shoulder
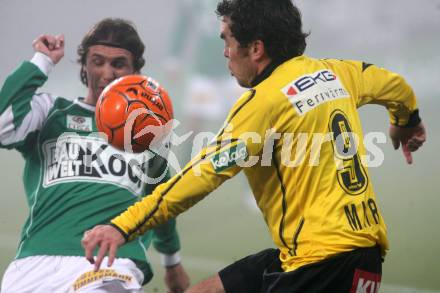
pixel 60 105
pixel 61 102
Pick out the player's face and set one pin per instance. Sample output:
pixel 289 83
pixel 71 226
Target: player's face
pixel 103 65
pixel 240 63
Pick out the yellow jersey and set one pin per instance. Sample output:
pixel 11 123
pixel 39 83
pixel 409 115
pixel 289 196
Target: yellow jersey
pixel 297 136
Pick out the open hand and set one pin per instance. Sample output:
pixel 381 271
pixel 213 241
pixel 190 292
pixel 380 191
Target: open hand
pixel 411 139
pixel 107 238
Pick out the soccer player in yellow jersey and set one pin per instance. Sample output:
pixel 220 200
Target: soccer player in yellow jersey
pixel 297 136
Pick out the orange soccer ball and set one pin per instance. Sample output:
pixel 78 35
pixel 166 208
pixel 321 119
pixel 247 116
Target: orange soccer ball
pixel 133 111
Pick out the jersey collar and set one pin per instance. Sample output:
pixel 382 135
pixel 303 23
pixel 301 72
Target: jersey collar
pixel 267 71
pixel 80 102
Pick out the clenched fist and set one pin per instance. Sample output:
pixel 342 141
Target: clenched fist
pixel 51 46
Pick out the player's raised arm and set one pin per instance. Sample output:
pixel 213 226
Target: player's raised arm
pixel 22 110
pixel 383 87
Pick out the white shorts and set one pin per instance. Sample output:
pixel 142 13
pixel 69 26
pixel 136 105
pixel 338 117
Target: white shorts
pixel 70 274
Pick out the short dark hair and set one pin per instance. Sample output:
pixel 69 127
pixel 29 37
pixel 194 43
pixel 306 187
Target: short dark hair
pixel 277 23
pixel 114 32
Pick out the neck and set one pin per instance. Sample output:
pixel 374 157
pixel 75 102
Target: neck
pixel 262 65
pixel 264 69
pixel 90 99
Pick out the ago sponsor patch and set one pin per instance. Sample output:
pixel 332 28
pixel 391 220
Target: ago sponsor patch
pixel 229 157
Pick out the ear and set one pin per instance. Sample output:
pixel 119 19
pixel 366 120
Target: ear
pixel 258 50
pixel 83 75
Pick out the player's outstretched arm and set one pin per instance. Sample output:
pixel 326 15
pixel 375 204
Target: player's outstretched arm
pixel 411 139
pixel 107 238
pixel 51 46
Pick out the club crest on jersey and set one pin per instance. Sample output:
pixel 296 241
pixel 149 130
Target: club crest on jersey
pixel 229 157
pixel 311 90
pixel 80 123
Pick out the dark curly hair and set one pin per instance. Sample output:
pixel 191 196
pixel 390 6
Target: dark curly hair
pixel 277 23
pixel 114 32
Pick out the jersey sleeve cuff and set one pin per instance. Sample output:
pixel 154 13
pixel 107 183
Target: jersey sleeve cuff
pixel 43 62
pixel 120 231
pixel 414 119
pixel 411 121
pixel 169 260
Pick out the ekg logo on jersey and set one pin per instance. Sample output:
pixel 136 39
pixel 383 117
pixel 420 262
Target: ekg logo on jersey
pixel 311 90
pixel 307 81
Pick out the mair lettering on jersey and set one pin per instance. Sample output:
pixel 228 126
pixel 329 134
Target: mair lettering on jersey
pixel 362 214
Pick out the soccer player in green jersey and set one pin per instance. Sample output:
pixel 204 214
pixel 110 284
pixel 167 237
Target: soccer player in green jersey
pixel 75 180
pixel 298 138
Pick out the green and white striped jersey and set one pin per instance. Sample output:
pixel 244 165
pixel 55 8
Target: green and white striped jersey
pixel 73 178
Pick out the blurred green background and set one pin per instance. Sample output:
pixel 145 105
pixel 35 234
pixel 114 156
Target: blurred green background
pixel 183 51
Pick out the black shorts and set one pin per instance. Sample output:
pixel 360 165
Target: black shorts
pixel 359 270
